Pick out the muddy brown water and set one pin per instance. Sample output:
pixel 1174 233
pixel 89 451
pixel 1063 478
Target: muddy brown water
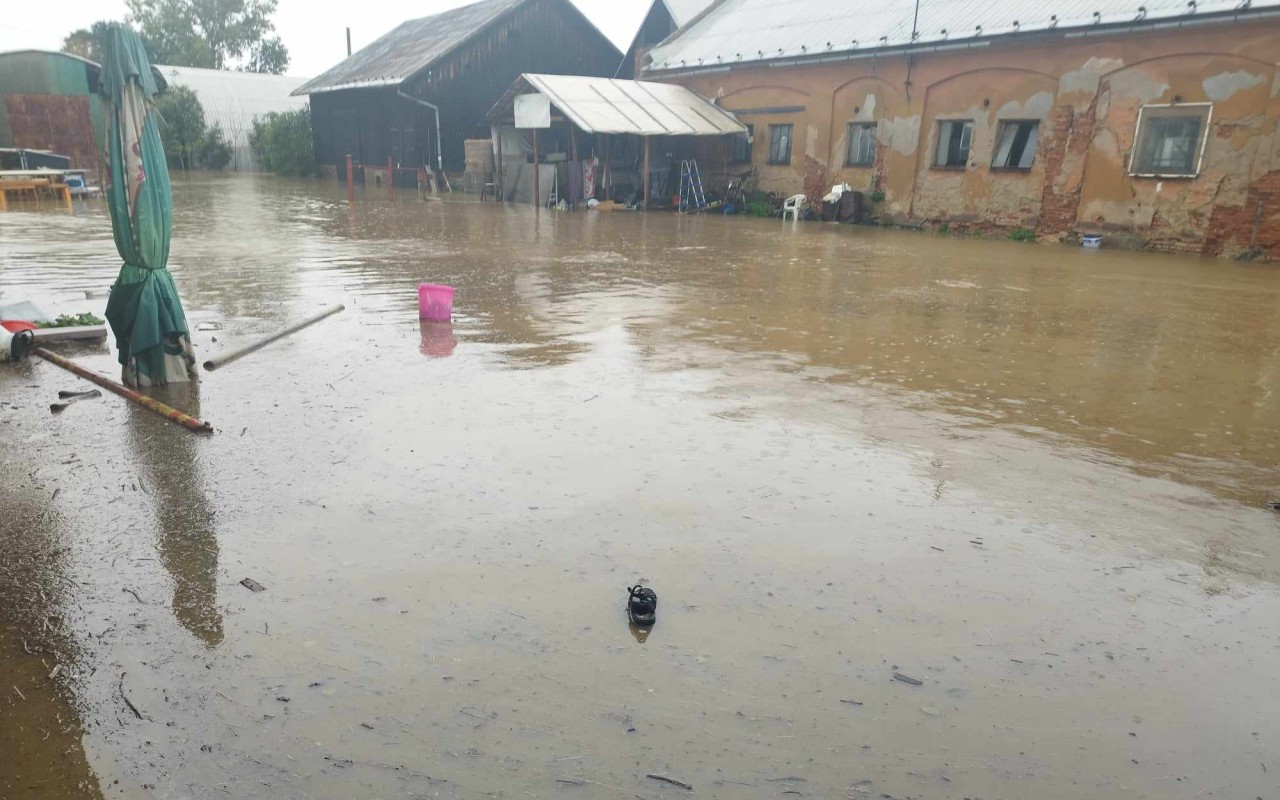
pixel 1030 477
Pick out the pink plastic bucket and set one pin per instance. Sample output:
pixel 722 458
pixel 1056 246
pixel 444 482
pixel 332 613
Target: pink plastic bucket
pixel 435 302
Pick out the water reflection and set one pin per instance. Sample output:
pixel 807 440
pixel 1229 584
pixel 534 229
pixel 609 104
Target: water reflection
pixel 438 340
pixel 185 518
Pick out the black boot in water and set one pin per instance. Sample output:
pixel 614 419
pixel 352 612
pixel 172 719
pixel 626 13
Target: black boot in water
pixel 642 606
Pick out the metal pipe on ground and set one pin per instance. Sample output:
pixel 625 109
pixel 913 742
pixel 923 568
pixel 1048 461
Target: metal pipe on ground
pixel 171 414
pixel 217 363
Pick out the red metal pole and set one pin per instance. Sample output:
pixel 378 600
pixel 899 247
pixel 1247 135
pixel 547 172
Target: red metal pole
pixel 351 181
pixel 171 414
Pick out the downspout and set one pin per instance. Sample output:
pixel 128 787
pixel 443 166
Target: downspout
pixel 436 109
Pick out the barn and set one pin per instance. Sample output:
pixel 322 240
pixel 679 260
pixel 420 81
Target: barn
pixel 49 101
pixel 417 94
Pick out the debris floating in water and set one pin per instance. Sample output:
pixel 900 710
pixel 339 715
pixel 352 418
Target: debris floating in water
pixel 671 781
pixel 252 585
pixel 898 676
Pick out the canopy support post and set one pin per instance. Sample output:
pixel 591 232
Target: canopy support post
pixel 644 201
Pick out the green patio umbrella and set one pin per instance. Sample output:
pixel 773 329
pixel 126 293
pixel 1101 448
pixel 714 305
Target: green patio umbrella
pixel 144 310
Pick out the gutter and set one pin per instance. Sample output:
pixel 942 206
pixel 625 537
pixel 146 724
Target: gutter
pixel 436 109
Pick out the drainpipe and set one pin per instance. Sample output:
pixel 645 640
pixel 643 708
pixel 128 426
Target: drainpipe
pixel 436 109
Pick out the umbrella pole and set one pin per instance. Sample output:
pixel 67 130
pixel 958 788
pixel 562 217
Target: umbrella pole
pixel 215 363
pixel 171 414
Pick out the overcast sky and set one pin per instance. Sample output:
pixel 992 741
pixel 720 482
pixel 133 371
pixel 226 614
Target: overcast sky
pixel 316 39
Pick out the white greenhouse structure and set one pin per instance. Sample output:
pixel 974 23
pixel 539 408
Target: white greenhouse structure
pixel 233 100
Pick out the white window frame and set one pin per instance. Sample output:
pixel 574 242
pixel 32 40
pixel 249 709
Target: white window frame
pixel 874 131
pixel 791 132
pixel 1137 142
pixel 968 153
pixel 1003 125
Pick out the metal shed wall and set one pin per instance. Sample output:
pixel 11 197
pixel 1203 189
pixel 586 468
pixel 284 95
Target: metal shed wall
pixel 48 102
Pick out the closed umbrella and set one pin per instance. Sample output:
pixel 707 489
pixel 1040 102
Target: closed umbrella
pixel 144 311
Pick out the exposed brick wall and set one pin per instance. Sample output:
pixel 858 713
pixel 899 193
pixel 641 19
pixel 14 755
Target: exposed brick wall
pixel 815 179
pixel 1066 146
pixel 1231 227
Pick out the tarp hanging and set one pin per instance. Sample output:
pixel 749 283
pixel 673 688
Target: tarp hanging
pixel 144 311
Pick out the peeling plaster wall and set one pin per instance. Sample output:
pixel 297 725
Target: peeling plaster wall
pixel 1085 92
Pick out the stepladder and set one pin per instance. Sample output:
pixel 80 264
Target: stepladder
pixel 692 197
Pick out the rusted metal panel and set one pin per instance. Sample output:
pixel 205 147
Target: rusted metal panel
pixel 62 124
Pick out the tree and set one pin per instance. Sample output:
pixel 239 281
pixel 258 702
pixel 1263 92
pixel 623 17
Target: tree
pixel 189 143
pixel 182 127
pixel 269 56
pixel 86 42
pixel 282 143
pixel 214 34
pixel 213 151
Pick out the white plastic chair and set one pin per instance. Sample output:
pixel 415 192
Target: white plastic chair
pixel 793 206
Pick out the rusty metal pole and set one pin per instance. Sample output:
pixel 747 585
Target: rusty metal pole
pixel 537 173
pixel 171 414
pixel 574 191
pixel 644 201
pixel 351 182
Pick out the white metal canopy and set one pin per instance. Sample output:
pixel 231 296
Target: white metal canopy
pixel 642 108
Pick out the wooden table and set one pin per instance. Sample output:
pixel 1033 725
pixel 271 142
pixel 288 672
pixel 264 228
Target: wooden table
pixel 33 185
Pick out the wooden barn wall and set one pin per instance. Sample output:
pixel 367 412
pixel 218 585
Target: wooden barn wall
pixel 546 36
pixel 657 26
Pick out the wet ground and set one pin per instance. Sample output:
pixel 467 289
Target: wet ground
pixel 1031 478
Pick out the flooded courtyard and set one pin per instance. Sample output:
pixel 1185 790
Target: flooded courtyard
pixel 1032 480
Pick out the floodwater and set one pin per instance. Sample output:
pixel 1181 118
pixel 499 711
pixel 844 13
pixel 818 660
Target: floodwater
pixel 1031 478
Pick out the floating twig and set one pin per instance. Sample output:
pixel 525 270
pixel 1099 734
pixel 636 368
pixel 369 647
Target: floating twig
pixel 135 595
pixel 56 669
pixel 671 781
pixel 24 697
pixel 127 701
pixel 898 676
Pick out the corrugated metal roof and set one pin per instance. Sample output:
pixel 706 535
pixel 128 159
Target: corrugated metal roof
pixel 409 48
pixel 233 100
pixel 760 30
pixel 682 11
pixel 606 105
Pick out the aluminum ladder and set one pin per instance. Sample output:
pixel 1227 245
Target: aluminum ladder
pixel 692 198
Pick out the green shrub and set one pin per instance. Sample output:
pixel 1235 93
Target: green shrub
pixel 758 205
pixel 282 143
pixel 945 229
pixel 213 150
pixel 877 196
pixel 1022 235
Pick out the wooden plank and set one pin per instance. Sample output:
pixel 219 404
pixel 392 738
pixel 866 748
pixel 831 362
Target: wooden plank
pixel 76 333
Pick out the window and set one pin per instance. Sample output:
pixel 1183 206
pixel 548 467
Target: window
pixel 742 147
pixel 780 144
pixel 862 144
pixel 954 137
pixel 1170 140
pixel 1016 144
